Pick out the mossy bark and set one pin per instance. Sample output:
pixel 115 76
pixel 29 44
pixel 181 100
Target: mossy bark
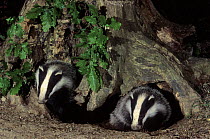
pixel 135 58
pixel 138 60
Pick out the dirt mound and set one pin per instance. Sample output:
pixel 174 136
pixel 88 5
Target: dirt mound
pixel 24 125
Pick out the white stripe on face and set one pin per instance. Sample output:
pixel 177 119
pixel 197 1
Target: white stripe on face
pixel 37 79
pixel 44 86
pixel 37 76
pixel 153 111
pixel 128 107
pixel 137 109
pixel 64 81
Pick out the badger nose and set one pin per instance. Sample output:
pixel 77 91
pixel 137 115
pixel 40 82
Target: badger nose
pixel 42 101
pixel 136 127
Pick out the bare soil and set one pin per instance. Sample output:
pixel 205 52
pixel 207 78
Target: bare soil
pixel 25 125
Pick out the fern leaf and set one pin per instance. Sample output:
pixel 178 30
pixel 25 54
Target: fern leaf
pixel 48 19
pixel 34 12
pixel 16 88
pixel 94 79
pixel 114 24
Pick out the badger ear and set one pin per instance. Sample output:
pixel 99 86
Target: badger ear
pixel 151 97
pixel 131 96
pixel 58 73
pixel 41 68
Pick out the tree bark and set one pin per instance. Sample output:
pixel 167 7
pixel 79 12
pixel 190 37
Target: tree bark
pixel 135 59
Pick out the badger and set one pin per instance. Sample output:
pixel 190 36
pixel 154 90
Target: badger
pixel 143 108
pixel 55 83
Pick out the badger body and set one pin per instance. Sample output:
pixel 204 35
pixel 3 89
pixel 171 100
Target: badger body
pixel 143 108
pixel 55 83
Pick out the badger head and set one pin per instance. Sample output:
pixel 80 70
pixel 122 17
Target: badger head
pixel 142 108
pixel 51 77
pixel 147 112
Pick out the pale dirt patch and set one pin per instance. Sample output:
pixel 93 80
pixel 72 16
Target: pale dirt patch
pixel 17 125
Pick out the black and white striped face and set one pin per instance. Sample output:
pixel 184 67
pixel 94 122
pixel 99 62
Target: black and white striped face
pixel 50 78
pixel 143 108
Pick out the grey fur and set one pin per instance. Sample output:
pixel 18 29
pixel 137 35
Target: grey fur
pixel 123 118
pixel 54 68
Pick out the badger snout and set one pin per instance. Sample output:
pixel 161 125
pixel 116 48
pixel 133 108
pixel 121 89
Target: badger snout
pixel 42 95
pixel 136 127
pixel 42 101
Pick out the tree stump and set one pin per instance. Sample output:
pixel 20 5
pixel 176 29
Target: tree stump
pixel 138 60
pixel 139 53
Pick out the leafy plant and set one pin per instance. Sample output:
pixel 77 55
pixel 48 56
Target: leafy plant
pixel 91 34
pixel 14 79
pixel 4 80
pixel 11 80
pixel 48 14
pixel 93 40
pixel 2 37
pixel 90 30
pixel 15 33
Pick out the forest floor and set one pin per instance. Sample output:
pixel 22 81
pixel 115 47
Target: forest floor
pixel 16 125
